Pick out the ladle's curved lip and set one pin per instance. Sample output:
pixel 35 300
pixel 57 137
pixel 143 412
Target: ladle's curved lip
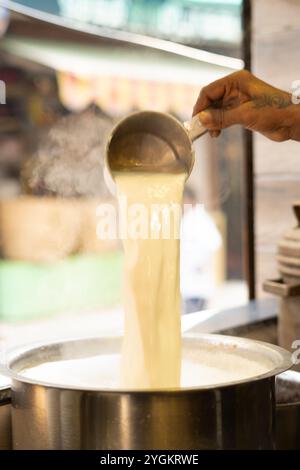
pixel 283 363
pixel 133 115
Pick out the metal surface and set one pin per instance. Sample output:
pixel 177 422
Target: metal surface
pixel 237 415
pixel 249 192
pixel 127 37
pixel 5 415
pixel 150 141
pixel 5 427
pixel 236 318
pixel 288 411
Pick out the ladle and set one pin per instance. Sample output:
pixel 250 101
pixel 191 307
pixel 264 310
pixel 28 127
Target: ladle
pixel 150 141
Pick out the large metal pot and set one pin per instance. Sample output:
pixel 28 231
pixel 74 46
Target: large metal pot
pixel 236 415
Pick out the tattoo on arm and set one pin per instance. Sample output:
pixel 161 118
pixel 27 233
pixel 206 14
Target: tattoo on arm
pixel 276 100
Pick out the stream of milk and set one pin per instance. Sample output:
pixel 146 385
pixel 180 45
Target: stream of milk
pixel 151 355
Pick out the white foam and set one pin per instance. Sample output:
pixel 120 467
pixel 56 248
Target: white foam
pixel 199 368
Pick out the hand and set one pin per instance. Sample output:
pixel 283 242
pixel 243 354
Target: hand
pixel 241 98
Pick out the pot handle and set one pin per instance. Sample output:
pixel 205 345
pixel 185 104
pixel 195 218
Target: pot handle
pixel 278 287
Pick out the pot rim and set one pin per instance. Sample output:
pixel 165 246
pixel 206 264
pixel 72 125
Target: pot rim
pixel 283 358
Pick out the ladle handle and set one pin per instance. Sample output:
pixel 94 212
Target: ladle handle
pixel 194 128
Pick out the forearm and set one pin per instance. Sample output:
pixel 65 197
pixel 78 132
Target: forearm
pixel 293 120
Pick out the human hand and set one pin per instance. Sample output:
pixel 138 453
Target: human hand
pixel 242 98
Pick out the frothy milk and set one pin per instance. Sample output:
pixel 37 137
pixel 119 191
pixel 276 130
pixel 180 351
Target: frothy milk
pixel 151 354
pixel 200 367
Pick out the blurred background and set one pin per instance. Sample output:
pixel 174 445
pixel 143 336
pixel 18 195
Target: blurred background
pixel 71 69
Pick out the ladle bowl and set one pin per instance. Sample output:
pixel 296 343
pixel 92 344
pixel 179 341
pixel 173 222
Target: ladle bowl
pixel 150 141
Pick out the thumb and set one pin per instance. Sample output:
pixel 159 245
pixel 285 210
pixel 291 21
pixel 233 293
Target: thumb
pixel 220 118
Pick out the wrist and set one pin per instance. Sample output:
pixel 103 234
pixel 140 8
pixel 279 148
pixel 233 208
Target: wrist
pixel 293 121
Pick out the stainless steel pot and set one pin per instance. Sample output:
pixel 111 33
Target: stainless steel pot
pixel 237 415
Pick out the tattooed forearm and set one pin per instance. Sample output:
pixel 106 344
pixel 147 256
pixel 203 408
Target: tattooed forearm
pixel 275 100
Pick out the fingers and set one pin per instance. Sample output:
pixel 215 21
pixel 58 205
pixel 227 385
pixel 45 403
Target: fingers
pixel 234 100
pixel 208 95
pixel 223 89
pixel 215 119
pixel 266 121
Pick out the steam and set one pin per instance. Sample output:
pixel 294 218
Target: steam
pixel 69 159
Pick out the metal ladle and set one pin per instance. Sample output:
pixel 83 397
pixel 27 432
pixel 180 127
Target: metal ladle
pixel 149 141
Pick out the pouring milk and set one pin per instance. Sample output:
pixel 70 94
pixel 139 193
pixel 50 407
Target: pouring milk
pixel 151 353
